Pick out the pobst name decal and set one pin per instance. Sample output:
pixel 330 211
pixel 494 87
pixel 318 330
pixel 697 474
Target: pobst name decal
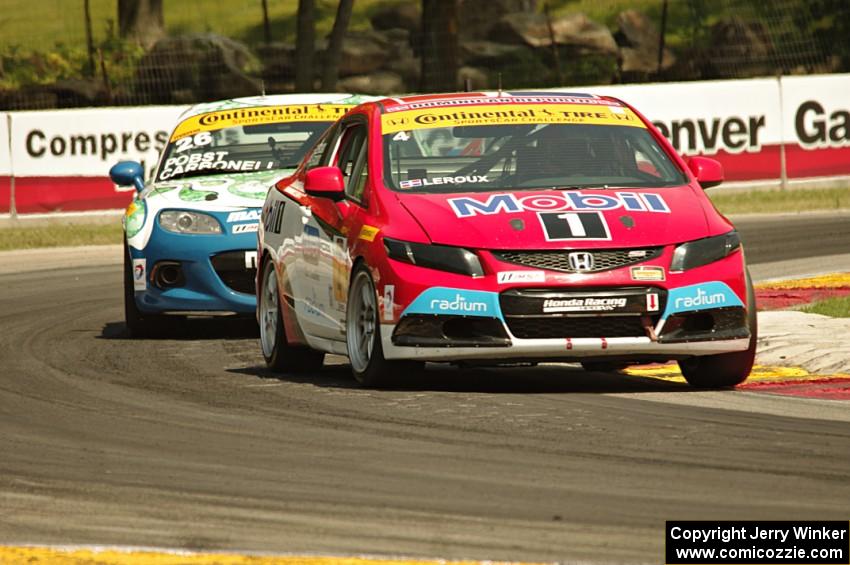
pixel 208 161
pixel 263 115
pixel 494 114
pixel 703 296
pixel 456 302
pixel 468 179
pixel 507 203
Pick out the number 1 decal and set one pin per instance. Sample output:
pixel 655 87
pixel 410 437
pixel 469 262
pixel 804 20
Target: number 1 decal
pixel 574 225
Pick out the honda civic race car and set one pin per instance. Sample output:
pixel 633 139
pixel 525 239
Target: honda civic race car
pixel 498 228
pixel 190 232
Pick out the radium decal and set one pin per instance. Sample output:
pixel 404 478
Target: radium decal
pixel 507 203
pixel 574 225
pixel 702 296
pixel 438 181
pixel 456 302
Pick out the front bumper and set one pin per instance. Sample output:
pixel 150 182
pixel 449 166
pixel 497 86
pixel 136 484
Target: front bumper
pixel 216 273
pixel 609 315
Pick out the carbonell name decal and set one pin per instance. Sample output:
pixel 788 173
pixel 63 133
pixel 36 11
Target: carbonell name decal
pixel 507 203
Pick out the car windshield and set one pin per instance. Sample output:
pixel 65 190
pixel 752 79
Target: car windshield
pixel 470 153
pixel 244 140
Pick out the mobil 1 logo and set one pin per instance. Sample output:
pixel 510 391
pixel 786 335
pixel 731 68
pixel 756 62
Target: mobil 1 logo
pixel 560 226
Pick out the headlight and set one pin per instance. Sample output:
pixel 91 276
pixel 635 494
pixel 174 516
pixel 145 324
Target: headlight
pixel 440 257
pixel 183 221
pixel 704 251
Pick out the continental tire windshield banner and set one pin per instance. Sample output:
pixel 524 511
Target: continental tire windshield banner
pixel 492 114
pixel 255 116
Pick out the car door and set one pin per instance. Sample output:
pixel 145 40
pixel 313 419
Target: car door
pixel 326 263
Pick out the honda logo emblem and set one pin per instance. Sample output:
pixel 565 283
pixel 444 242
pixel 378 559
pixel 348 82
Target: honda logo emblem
pixel 581 261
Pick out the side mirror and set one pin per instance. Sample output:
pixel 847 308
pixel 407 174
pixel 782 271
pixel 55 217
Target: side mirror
pixel 325 182
pixel 128 173
pixel 707 171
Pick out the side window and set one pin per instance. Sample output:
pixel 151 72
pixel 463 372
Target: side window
pixel 320 156
pixel 352 160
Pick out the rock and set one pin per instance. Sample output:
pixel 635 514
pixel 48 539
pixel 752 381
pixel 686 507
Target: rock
pixel 477 18
pixel 405 16
pixel 278 60
pixel 739 48
pixel 363 53
pixel 381 82
pixel 575 30
pixel 638 39
pixel 79 92
pixel 207 66
pixel 29 98
pixel 489 53
pixel 478 78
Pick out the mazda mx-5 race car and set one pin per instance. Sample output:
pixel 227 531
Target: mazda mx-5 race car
pixel 500 228
pixel 190 233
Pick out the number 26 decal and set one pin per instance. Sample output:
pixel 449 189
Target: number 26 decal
pixel 561 226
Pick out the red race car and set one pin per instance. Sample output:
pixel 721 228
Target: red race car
pixel 502 227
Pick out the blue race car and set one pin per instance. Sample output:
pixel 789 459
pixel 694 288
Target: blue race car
pixel 190 232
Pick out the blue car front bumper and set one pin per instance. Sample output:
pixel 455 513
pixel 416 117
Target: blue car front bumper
pixel 217 271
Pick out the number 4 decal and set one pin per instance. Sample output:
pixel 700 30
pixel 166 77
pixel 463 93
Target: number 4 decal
pixel 574 225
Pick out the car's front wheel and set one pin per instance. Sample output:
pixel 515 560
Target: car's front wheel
pixel 363 335
pixel 725 369
pixel 278 353
pixel 138 324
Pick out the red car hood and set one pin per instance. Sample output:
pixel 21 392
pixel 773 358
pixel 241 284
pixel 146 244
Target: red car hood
pixel 515 220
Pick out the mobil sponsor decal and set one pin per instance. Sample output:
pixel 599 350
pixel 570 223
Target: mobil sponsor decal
pixel 703 296
pixel 508 203
pixel 456 302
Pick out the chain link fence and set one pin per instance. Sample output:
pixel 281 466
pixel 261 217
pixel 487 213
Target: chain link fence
pixel 70 53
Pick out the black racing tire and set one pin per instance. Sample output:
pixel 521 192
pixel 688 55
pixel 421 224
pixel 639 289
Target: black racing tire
pixel 363 336
pixel 725 370
pixel 279 355
pixel 603 366
pixel 138 324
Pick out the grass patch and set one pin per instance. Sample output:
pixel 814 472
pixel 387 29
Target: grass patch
pixel 775 201
pixel 837 307
pixel 60 235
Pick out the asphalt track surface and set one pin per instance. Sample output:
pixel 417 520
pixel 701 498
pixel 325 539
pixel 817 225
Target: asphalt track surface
pixel 188 442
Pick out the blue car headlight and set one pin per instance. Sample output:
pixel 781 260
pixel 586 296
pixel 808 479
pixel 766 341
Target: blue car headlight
pixel 184 221
pixel 704 251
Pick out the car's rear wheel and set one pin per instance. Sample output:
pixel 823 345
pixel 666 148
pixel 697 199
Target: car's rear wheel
pixel 138 324
pixel 363 335
pixel 725 369
pixel 278 353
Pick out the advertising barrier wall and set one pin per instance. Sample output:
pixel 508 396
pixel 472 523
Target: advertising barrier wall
pixel 816 112
pixel 5 165
pixel 61 159
pixel 764 131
